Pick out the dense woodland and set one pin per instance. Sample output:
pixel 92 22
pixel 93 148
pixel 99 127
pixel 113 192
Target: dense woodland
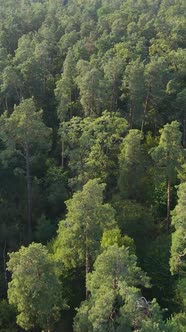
pixel 93 165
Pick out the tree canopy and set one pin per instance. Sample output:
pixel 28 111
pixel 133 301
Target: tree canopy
pixel 92 165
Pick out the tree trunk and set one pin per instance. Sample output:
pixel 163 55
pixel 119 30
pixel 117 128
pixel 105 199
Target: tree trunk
pixel 184 132
pixel 62 154
pixel 87 269
pixel 87 261
pixel 6 103
pixel 144 113
pixel 4 261
pixel 142 125
pixel 29 194
pixel 131 113
pixel 168 204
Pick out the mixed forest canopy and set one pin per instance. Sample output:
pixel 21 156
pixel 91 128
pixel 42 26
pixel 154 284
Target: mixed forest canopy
pixel 93 165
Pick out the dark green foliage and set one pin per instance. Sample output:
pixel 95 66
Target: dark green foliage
pixel 110 78
pixel 44 230
pixel 133 166
pixel 155 262
pixel 7 317
pixel 178 251
pixel 56 190
pixel 136 221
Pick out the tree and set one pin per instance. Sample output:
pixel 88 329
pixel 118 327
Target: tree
pixel 113 70
pixel 107 133
pixel 27 68
pixel 75 135
pixel 168 156
pixel 177 323
pixel 178 248
pixel 91 65
pixel 180 102
pixel 156 264
pixel 114 288
pixel 136 221
pixel 64 93
pixel 34 289
pixel 90 84
pixel 132 166
pixel 155 322
pixel 56 190
pixel 182 173
pixel 79 235
pixel 156 75
pixel 113 236
pixel 24 135
pixel 11 85
pixel 92 147
pixel 7 317
pixel 65 88
pixel 133 88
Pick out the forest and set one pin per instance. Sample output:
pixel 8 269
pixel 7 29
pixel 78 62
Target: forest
pixel 93 165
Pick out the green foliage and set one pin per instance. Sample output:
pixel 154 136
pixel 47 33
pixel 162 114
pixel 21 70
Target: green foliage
pixel 178 251
pixel 177 323
pixel 155 322
pixel 114 287
pixel 113 236
pixel 92 146
pixel 181 291
pixel 137 222
pixel 7 317
pixel 155 262
pixel 56 190
pixel 182 173
pixel 79 234
pixel 24 129
pixel 34 289
pixel 44 230
pixel 113 70
pixel 132 166
pixel 169 153
pixel 134 89
pixel 96 68
pixel 65 88
pixel 24 135
pixel 89 82
pixel 168 156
